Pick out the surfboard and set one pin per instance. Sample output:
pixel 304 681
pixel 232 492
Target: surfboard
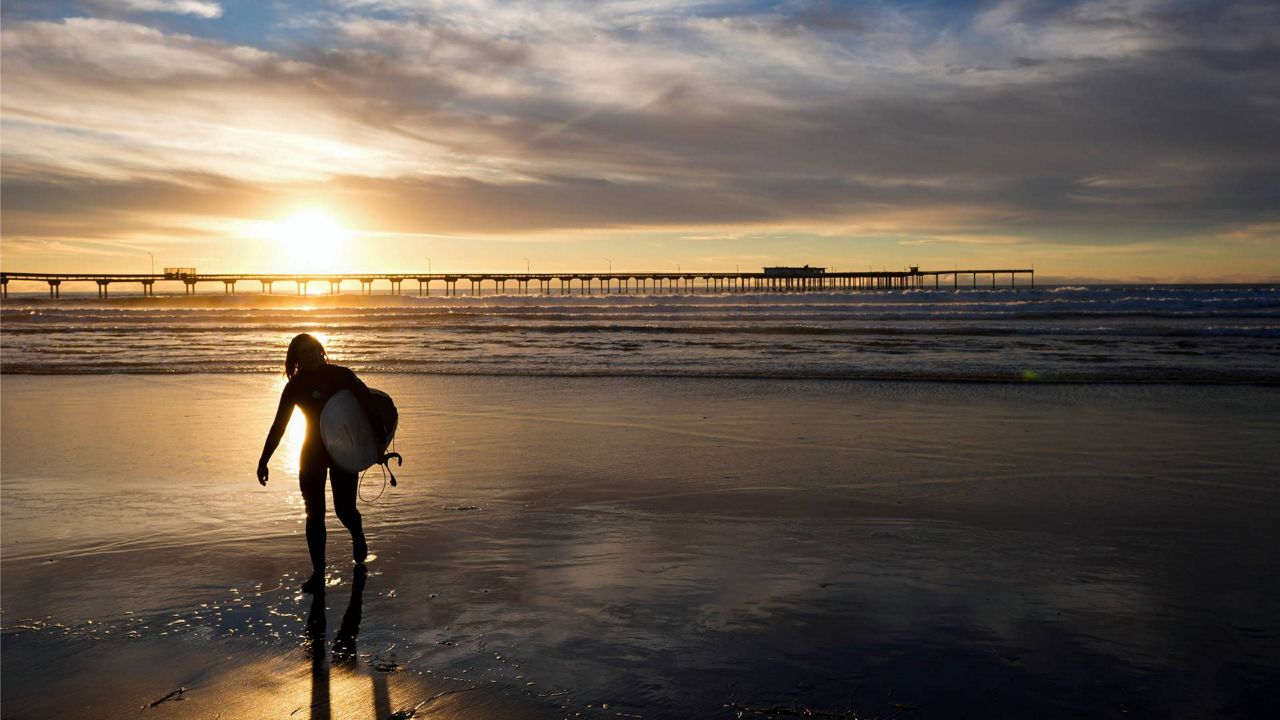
pixel 347 434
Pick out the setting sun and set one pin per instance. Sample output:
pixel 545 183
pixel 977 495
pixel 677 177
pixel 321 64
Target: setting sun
pixel 310 241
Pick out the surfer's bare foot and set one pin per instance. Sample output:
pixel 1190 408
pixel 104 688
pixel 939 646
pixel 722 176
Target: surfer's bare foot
pixel 359 550
pixel 314 584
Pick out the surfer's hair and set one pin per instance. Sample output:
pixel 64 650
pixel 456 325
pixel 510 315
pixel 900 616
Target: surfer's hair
pixel 292 358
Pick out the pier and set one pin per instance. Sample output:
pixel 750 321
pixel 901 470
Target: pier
pixel 772 280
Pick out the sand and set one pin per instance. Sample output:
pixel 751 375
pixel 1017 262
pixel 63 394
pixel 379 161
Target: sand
pixel 617 547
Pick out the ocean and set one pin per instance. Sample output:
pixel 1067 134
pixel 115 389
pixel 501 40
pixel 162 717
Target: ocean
pixel 1141 333
pixel 1048 503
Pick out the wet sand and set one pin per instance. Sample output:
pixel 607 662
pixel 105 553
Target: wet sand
pixel 616 547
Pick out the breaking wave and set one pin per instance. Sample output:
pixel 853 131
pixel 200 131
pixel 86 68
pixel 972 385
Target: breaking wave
pixel 1066 334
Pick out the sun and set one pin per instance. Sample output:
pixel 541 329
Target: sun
pixel 310 241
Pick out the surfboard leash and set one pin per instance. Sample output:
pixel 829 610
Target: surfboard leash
pixel 385 462
pixel 360 483
pixel 384 467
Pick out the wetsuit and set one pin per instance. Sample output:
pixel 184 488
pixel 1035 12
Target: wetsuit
pixel 309 390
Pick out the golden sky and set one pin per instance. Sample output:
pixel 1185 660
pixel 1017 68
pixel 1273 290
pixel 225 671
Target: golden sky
pixel 1095 139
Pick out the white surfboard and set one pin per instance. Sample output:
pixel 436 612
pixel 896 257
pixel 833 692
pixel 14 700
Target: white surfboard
pixel 346 431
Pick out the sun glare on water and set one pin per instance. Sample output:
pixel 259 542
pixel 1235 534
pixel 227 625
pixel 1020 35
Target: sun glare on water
pixel 310 241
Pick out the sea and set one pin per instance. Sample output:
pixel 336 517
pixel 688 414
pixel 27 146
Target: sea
pixel 1082 334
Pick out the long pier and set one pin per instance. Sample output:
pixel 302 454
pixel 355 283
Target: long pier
pixel 803 280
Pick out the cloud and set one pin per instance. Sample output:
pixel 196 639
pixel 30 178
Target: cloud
pixel 1070 122
pixel 198 8
pixel 964 240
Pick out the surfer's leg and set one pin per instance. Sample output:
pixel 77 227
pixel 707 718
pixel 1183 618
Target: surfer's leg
pixel 345 486
pixel 311 482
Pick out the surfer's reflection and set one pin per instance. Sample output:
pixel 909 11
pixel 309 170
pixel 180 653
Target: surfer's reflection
pixel 344 643
pixel 314 643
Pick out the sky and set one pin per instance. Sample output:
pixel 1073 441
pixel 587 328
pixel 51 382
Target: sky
pixel 1112 140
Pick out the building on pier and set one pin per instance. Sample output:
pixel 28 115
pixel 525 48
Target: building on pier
pixel 805 271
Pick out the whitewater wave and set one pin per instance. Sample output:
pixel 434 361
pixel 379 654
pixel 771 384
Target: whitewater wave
pixel 1067 334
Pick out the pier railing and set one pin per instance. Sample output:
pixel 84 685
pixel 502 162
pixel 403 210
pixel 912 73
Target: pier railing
pixel 548 283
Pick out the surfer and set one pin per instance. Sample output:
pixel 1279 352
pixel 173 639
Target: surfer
pixel 312 381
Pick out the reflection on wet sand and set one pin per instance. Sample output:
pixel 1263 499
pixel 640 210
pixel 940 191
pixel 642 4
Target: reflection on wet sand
pixel 193 671
pixel 344 657
pixel 314 644
pixel 662 548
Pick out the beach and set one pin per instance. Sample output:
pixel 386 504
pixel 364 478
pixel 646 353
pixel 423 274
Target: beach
pixel 894 360
pixel 661 548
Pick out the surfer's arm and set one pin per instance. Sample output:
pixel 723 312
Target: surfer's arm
pixel 283 413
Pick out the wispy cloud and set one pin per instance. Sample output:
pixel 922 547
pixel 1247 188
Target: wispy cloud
pixel 964 240
pixel 198 8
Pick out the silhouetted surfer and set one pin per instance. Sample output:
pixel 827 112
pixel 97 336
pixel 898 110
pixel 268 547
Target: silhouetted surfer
pixel 312 381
